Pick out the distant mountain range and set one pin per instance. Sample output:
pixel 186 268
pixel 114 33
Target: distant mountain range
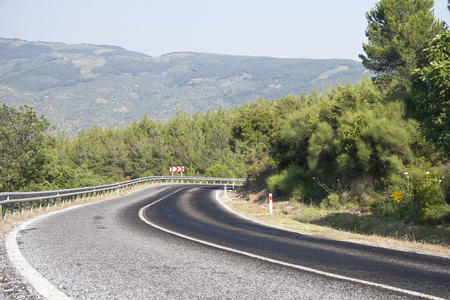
pixel 77 86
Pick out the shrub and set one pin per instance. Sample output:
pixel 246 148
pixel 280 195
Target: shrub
pixel 418 195
pixel 296 182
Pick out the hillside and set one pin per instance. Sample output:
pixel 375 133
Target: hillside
pixel 77 86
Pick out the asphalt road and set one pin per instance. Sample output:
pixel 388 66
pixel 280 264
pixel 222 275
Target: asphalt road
pixel 178 241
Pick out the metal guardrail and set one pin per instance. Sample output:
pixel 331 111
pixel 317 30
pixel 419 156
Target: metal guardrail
pixel 36 199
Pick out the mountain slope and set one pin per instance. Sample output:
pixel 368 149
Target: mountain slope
pixel 77 86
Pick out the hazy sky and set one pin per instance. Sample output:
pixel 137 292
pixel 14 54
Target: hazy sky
pixel 277 28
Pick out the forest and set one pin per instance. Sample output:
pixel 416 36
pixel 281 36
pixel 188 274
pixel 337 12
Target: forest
pixel 381 145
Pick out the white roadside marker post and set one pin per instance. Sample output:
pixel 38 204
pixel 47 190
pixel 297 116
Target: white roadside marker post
pixel 225 189
pixel 233 184
pixel 270 204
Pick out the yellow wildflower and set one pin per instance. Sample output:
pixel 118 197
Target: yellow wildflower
pixel 396 196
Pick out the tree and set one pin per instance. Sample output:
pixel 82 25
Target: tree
pixel 397 32
pixel 22 140
pixel 434 91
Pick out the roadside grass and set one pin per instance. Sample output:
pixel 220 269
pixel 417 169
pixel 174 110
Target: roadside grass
pixel 343 224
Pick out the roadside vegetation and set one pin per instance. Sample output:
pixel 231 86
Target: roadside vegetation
pixel 370 158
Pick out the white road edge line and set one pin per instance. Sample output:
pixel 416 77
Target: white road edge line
pixel 299 267
pixel 42 285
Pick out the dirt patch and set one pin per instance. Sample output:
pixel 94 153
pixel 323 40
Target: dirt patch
pixel 260 197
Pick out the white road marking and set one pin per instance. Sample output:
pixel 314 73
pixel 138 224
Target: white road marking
pixel 42 285
pixel 299 267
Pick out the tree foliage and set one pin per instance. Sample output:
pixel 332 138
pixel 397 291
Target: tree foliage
pixel 354 145
pixel 22 139
pixel 433 88
pixel 397 32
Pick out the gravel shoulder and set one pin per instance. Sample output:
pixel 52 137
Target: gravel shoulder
pixel 12 284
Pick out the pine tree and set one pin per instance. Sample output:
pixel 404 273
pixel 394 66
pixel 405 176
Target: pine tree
pixel 397 32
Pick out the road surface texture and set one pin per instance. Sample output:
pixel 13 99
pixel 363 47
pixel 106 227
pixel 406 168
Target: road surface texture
pixel 179 242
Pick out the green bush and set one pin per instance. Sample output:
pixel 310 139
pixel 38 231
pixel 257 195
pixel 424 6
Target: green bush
pixel 219 170
pixel 418 195
pixel 296 182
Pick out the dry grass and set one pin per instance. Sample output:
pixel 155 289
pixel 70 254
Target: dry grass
pixel 290 216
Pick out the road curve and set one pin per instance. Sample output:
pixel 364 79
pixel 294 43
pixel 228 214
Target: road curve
pixel 104 250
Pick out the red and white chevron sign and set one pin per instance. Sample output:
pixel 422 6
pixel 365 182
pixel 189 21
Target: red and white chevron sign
pixel 176 169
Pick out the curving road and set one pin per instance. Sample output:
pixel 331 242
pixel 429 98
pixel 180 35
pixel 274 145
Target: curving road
pixel 178 241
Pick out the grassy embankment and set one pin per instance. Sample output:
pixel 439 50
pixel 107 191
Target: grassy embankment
pixel 343 224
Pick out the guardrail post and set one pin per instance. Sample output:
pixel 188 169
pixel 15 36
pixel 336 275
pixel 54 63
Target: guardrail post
pixel 4 209
pixel 12 209
pixel 39 204
pixel 21 207
pixel 31 205
pixel 48 203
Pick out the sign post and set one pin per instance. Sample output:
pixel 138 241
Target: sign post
pixel 270 204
